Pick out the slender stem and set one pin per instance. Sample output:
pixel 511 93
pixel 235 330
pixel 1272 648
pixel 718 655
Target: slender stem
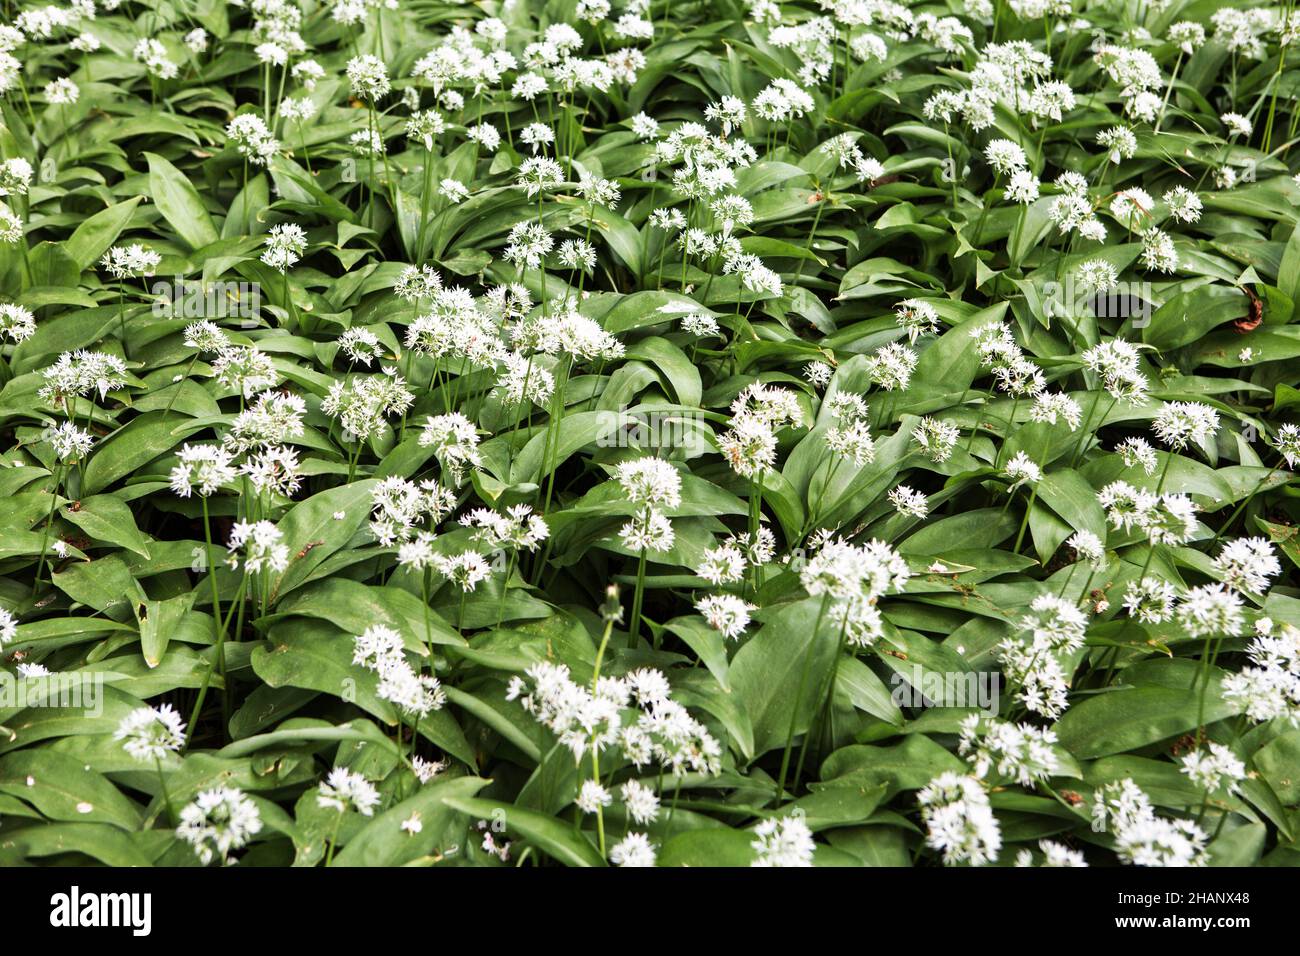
pixel 812 233
pixel 1024 522
pixel 600 653
pixel 798 700
pixel 424 600
pixel 424 205
pixel 979 228
pixel 1083 432
pixel 212 574
pixel 334 838
pixel 828 697
pixel 1068 579
pixel 188 369
pixel 162 784
pixel 1160 118
pixel 49 522
pixel 552 443
pixel 220 653
pixel 600 814
pixel 505 587
pixel 1244 504
pixel 634 629
pixel 1011 424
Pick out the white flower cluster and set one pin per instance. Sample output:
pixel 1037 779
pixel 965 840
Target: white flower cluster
pixel 1168 518
pixel 263 546
pixel 851 579
pixel 1141 837
pixel 345 790
pixel 783 841
pixel 959 821
pixel 653 486
pixel 151 733
pixel 454 440
pixel 633 713
pixel 218 822
pixel 1214 769
pixel 380 649
pixel 1270 687
pixel 758 413
pixel 518 529
pixel 1020 752
pixel 363 403
pixel 17 324
pixel 1036 667
pixel 82 373
pixel 849 435
pixel 251 137
pixel 400 505
pixel 1054 855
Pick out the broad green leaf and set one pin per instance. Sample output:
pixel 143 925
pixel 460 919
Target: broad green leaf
pixel 557 839
pixel 179 202
pixel 60 786
pixel 780 676
pixel 1161 703
pixel 384 842
pixel 137 443
pixel 107 518
pixel 94 236
pixel 158 621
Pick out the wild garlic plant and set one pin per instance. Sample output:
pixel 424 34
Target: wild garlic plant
pixel 616 433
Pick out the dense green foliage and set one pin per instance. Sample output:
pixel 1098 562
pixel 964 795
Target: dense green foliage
pixel 702 433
